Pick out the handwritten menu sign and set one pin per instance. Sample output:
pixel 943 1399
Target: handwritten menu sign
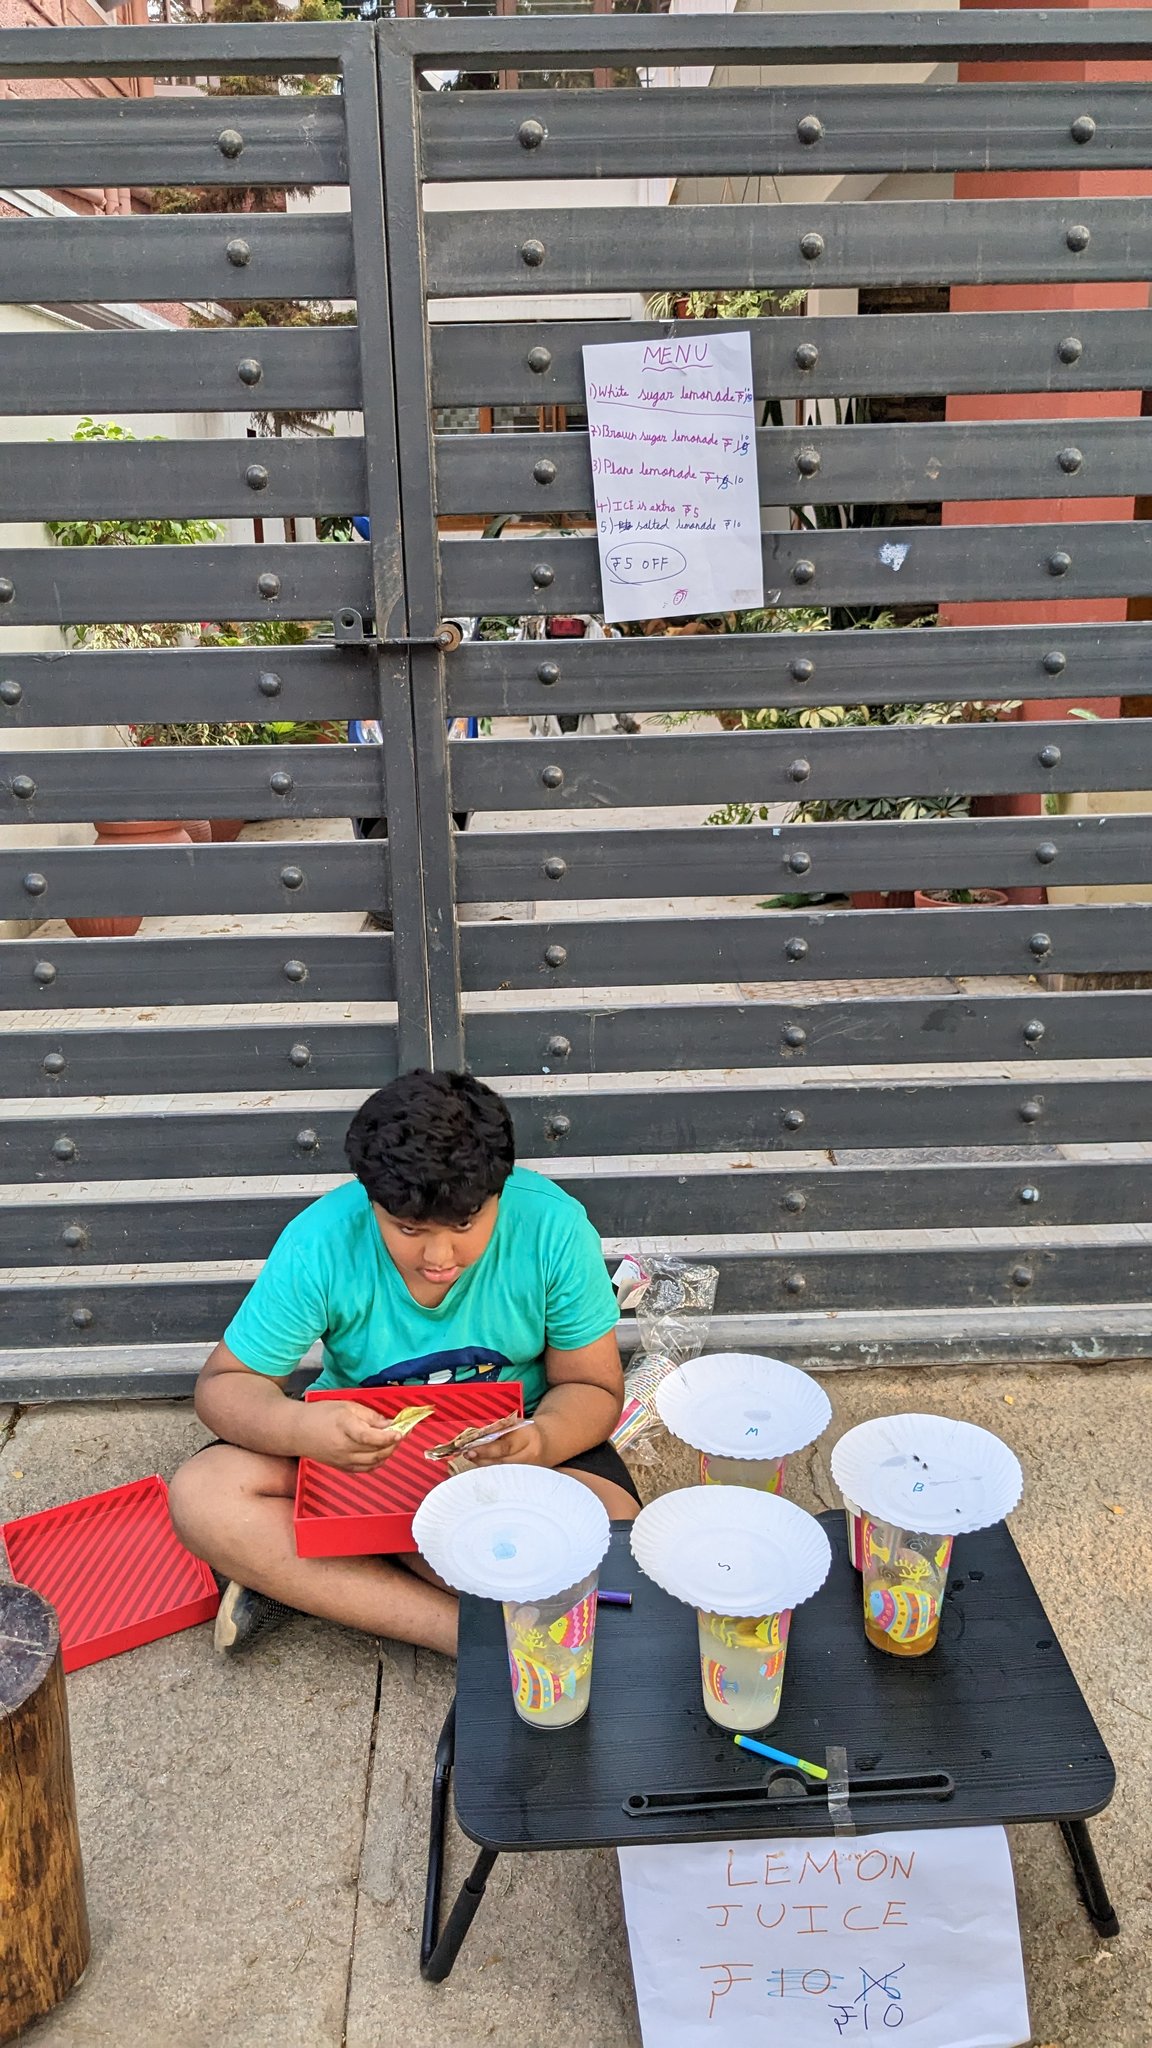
pixel 911 1938
pixel 673 441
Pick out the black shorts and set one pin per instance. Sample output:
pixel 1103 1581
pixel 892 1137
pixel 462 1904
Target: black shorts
pixel 603 1461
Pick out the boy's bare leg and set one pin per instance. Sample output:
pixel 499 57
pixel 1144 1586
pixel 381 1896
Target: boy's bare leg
pixel 233 1508
pixel 620 1505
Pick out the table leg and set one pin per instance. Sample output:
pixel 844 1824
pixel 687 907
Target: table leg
pixel 1089 1878
pixel 438 1951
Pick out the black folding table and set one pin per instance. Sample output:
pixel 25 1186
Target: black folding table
pixel 990 1727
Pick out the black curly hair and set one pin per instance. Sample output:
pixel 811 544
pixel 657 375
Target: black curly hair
pixel 432 1147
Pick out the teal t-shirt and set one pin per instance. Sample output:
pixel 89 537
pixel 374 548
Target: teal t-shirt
pixel 540 1281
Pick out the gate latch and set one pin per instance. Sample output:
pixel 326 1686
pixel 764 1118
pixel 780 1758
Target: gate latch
pixel 352 627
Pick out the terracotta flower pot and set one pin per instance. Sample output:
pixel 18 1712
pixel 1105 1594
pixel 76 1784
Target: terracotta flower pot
pixel 225 828
pixel 881 899
pixel 198 829
pixel 127 832
pixel 938 899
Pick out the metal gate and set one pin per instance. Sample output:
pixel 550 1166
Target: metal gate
pixel 900 1131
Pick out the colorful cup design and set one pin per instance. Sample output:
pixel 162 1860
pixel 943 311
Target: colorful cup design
pixel 742 1667
pixel 765 1474
pixel 904 1578
pixel 550 1645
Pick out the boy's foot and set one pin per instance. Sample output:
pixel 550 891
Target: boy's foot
pixel 243 1616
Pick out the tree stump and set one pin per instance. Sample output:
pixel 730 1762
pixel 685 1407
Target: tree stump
pixel 44 1939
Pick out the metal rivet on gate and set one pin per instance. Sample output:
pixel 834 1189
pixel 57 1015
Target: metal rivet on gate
pixel 799 863
pixel 1029 1195
pixel 794 1034
pixel 1022 1276
pixel 295 970
pixel 34 885
pixel 292 878
pixel 239 253
pixel 555 868
pixel 544 471
pixel 803 572
pixel 532 253
pixel 795 1202
pixel 230 142
pixel 1083 128
pixel 796 949
pixel 799 771
pixel 555 956
pixel 793 1119
pixel 83 1318
pixel 548 673
pixel 796 1283
pixel 801 670
pixel 1070 460
pixel 557 1126
pixel 1030 1111
pixel 539 359
pixel 1070 349
pixel 1046 853
pixel 10 691
pixel 553 778
pixel 281 783
pixel 543 574
pixel 808 461
pixel 53 1063
pixel 307 1140
pixel 249 370
pixel 1059 563
pixel 23 786
pixel 44 973
pixel 1054 663
pixel 64 1149
pixel 811 246
pixel 1078 238
pixel 300 1055
pixel 1040 943
pixel 268 683
pixel 7 590
pixel 810 129
pixel 807 356
pixel 256 477
pixel 74 1238
pixel 1049 757
pixel 1033 1031
pixel 530 134
pixel 558 1048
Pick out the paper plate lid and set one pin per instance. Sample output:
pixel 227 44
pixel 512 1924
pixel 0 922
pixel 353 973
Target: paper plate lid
pixel 512 1532
pixel 737 1405
pixel 928 1473
pixel 731 1549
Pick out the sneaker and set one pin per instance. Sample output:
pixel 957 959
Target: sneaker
pixel 243 1616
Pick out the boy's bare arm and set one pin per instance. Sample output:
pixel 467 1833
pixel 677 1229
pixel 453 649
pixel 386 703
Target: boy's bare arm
pixel 581 1408
pixel 250 1409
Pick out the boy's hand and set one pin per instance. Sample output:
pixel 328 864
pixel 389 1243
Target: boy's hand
pixel 347 1434
pixel 523 1446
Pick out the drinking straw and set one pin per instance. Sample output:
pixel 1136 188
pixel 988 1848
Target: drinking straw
pixel 780 1756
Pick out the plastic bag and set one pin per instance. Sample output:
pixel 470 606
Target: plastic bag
pixel 673 1300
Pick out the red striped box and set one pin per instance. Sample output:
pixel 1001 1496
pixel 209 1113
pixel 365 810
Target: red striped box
pixel 114 1569
pixel 357 1514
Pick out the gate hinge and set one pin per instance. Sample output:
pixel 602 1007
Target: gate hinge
pixel 352 627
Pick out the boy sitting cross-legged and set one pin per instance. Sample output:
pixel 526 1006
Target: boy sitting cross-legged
pixel 442 1260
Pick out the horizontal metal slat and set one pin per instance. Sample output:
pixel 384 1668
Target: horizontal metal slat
pixel 200 1059
pixel 181 881
pixel 297 967
pixel 717 131
pixel 947 241
pixel 733 671
pixel 78 1147
pixel 540 362
pixel 288 368
pixel 870 465
pixel 957 853
pixel 70 586
pixel 288 141
pixel 184 479
pixel 962 1194
pixel 771 767
pixel 131 52
pixel 874 565
pixel 334 781
pixel 798 946
pixel 167 684
pixel 178 257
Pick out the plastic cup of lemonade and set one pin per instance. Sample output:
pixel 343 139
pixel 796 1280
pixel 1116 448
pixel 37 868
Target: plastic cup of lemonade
pixel 745 1415
pixel 550 1645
